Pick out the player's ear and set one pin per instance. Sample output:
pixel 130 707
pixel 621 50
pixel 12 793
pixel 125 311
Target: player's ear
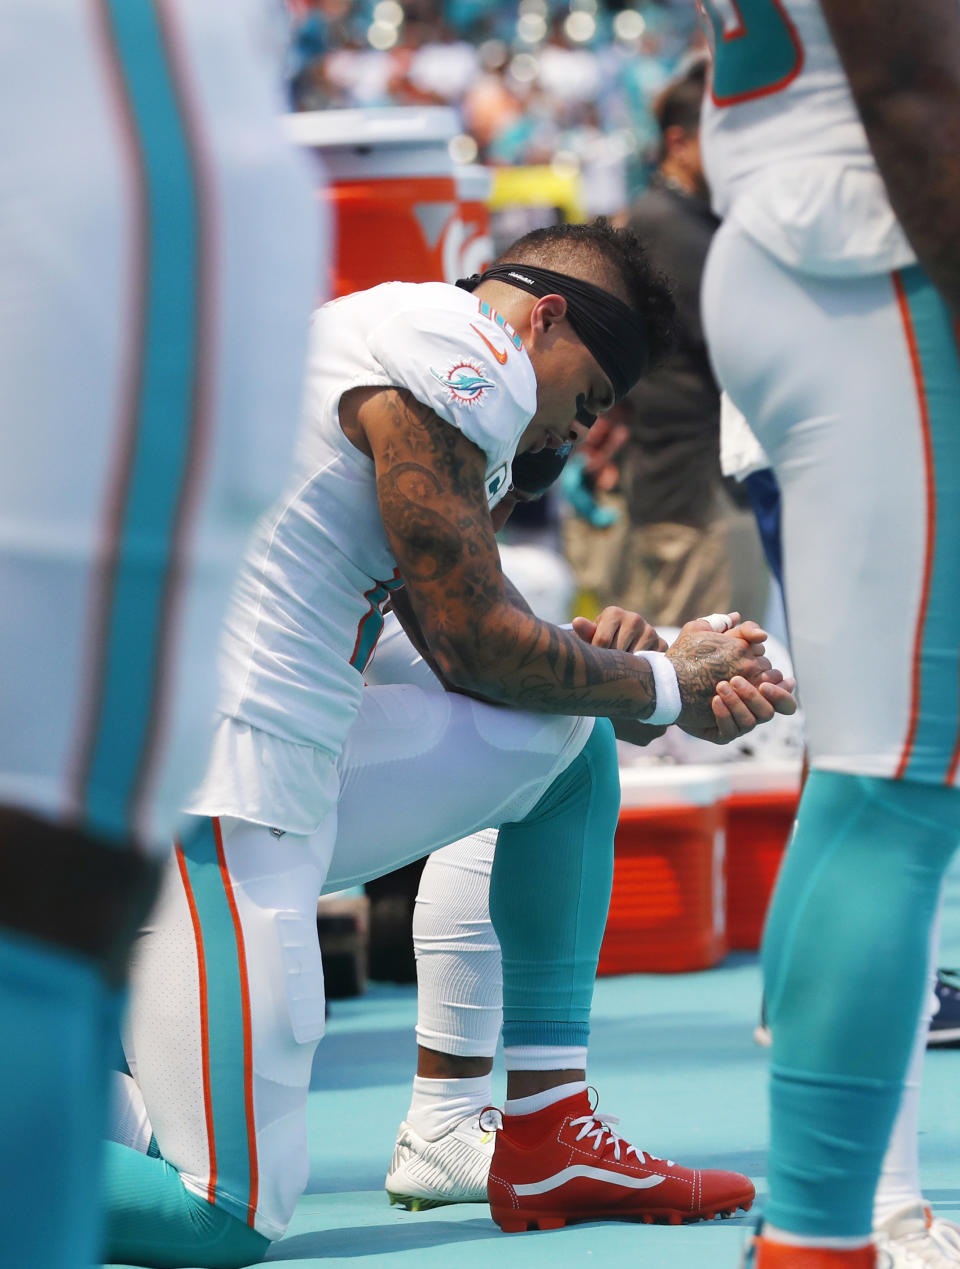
pixel 548 310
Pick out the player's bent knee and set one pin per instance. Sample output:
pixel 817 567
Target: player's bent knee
pixel 224 1241
pixel 593 777
pixel 152 1219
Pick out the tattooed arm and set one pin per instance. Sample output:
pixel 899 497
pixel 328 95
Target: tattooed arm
pixel 403 610
pixel 902 62
pixel 430 482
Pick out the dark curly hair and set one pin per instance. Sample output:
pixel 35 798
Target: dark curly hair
pixel 612 258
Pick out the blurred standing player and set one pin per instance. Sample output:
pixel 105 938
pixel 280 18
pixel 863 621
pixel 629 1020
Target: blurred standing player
pixel 841 350
pixel 157 265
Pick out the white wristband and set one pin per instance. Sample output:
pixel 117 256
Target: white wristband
pixel 667 706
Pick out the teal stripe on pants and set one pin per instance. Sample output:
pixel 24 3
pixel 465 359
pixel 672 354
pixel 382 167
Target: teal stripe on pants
pixel 224 1015
pixel 164 417
pixel 938 714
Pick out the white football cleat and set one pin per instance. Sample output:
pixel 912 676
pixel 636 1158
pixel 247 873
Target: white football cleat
pixel 914 1240
pixel 452 1169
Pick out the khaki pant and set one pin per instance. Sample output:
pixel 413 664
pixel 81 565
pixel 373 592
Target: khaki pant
pixel 671 573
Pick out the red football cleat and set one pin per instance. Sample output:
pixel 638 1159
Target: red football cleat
pixel 565 1164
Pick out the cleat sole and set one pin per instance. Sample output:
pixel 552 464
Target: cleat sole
pixel 512 1222
pixel 414 1202
pixel 509 1223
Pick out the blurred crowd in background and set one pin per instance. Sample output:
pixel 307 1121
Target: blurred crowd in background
pixel 564 82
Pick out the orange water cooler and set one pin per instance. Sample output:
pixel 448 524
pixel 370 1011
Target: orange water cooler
pixel 761 809
pixel 468 245
pixel 667 911
pixel 387 177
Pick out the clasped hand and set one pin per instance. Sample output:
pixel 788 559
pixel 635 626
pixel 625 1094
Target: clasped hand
pixel 727 684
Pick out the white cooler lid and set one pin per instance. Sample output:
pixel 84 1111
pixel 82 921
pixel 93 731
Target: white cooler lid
pixel 380 141
pixel 691 785
pixel 780 775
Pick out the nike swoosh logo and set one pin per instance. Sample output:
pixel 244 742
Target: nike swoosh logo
pixel 500 356
pixel 604 1175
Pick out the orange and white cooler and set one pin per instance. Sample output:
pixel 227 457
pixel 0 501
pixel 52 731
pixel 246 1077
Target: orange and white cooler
pixel 761 809
pixel 468 245
pixel 391 190
pixel 667 911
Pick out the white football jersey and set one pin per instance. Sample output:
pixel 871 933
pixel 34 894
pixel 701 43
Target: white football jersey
pixel 786 155
pixel 306 610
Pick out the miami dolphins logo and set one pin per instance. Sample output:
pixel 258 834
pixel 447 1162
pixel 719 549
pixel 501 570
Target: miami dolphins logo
pixel 466 381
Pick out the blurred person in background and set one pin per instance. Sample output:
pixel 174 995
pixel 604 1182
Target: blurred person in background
pixel 676 549
pixel 650 520
pixel 157 264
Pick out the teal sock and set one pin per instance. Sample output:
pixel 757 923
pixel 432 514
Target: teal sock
pixel 549 894
pixel 845 966
pixel 153 1220
pixel 53 1074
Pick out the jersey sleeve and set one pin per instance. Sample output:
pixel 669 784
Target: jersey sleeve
pixel 466 368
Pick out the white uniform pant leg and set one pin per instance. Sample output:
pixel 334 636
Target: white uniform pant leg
pixel 421 769
pixel 227 1007
pixel 227 1000
pixel 852 386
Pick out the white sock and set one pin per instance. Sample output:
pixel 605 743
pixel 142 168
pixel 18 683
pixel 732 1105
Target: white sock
pixel 539 1101
pixel 801 1240
pixel 439 1105
pixel 544 1057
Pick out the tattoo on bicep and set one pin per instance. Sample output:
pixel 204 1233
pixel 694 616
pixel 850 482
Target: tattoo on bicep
pixel 429 546
pixel 433 502
pixel 438 441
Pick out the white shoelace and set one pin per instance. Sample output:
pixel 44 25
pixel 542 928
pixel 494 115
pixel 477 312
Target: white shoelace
pixel 598 1127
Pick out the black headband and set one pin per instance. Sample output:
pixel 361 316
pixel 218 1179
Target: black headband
pixel 615 335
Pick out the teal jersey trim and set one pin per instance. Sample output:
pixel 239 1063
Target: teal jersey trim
pixel 758 56
pixel 930 753
pixel 235 1175
pixel 371 624
pixel 502 322
pixel 164 431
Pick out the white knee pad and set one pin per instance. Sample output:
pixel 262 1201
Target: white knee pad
pixel 303 974
pixel 460 983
